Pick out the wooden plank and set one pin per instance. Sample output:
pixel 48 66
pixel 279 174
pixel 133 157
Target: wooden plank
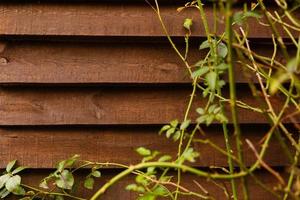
pixel 103 20
pixel 64 62
pixel 117 191
pixel 107 105
pixel 117 145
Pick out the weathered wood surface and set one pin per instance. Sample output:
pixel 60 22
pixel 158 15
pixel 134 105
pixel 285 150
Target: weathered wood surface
pixel 117 145
pixel 108 105
pixel 83 63
pixel 117 191
pixel 103 20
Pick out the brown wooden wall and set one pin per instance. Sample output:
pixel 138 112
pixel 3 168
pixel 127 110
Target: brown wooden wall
pixel 99 79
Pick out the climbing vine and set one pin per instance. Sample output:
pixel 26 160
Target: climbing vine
pixel 160 175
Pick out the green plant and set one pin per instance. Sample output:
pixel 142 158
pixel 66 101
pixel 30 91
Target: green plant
pixel 223 51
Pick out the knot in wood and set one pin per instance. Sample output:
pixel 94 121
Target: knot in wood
pixel 3 61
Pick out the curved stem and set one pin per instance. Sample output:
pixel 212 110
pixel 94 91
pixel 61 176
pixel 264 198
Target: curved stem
pixel 52 193
pixel 232 89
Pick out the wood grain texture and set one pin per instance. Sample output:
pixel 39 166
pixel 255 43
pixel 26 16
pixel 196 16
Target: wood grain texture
pixel 33 177
pixel 83 63
pixel 117 145
pixel 108 105
pixel 103 20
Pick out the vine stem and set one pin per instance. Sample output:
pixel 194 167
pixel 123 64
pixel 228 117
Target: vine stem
pixel 274 29
pixel 228 13
pixel 291 177
pixel 184 168
pixel 52 193
pixel 225 130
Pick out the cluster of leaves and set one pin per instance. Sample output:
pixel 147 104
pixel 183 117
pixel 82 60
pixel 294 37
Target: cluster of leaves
pixel 150 184
pixel 63 177
pixel 214 112
pixel 291 73
pixel 144 180
pixel 173 130
pixel 10 181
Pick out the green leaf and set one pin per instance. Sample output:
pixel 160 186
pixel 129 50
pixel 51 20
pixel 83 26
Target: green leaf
pixel 200 63
pixel 152 156
pixel 5 194
pixel 12 183
pixel 292 65
pixel 3 179
pixel 19 169
pixel 200 72
pixel 252 14
pixel 165 178
pixel 89 183
pixel 222 50
pixel 3 191
pixel 164 158
pixel 221 83
pixel 174 123
pixel 217 110
pixel 200 111
pixel 176 136
pixel 66 180
pixel 185 124
pixel 188 23
pixel 190 155
pixel 70 162
pixel 44 184
pixel 205 92
pixel 10 165
pixel 204 45
pixel 141 180
pixel 96 174
pixel 143 151
pixel 30 193
pixel 201 119
pixel 131 187
pixel 211 79
pixel 150 170
pixel 209 119
pixel 136 188
pixel 170 132
pixel 160 191
pixel 19 190
pixel 222 118
pixel 164 128
pixel 212 108
pixel 61 165
pixel 222 66
pixel 238 17
pixel 147 196
pixel 276 81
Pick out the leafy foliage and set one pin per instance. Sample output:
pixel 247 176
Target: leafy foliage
pixel 224 52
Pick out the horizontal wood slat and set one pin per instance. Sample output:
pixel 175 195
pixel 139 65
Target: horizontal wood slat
pixel 109 105
pixel 118 191
pixel 81 63
pixel 103 20
pixel 117 145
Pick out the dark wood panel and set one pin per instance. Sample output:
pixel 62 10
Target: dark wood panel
pixel 107 105
pixel 117 144
pixel 117 191
pixel 63 62
pixel 103 20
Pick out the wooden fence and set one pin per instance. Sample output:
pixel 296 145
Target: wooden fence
pixel 99 79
